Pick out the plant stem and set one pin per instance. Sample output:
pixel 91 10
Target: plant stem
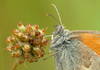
pixel 15 65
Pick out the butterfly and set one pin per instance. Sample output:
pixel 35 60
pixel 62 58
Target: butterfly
pixel 77 49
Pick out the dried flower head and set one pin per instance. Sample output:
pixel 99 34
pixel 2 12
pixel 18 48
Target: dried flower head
pixel 27 43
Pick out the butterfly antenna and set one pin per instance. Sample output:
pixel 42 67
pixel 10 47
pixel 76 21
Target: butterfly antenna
pixel 60 21
pixel 53 17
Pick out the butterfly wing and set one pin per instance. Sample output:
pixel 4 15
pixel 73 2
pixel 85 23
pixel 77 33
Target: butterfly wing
pixel 81 57
pixel 76 56
pixel 89 38
pixel 90 50
pixel 92 41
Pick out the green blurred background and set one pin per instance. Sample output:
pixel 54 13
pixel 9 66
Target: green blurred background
pixel 76 14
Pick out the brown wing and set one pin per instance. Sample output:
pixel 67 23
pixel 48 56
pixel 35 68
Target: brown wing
pixel 92 41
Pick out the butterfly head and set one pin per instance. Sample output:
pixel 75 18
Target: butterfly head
pixel 59 30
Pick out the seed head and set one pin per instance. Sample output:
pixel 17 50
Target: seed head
pixel 27 43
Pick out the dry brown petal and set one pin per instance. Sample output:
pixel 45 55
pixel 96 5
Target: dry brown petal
pixel 15 32
pixel 20 24
pixel 37 33
pixel 26 55
pixel 26 48
pixel 29 28
pixel 16 53
pixel 17 46
pixel 38 52
pixel 24 38
pixel 9 48
pixel 10 39
pixel 21 61
pixel 33 60
pixel 36 27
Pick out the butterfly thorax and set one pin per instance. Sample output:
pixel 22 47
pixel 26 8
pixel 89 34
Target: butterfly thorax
pixel 59 36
